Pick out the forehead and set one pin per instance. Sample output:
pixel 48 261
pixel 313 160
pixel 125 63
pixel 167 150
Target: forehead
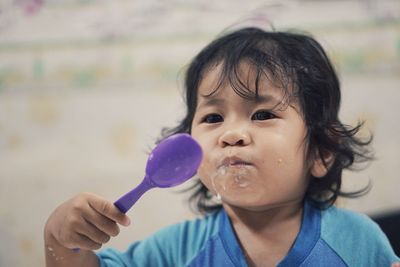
pixel 246 80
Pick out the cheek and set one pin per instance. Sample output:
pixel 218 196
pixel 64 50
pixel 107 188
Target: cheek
pixel 204 173
pixel 285 159
pixel 208 166
pixel 291 166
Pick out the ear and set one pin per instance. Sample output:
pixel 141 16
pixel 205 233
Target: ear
pixel 321 164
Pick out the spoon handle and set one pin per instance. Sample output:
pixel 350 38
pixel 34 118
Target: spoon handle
pixel 125 202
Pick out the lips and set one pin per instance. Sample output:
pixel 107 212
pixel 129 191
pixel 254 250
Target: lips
pixel 235 162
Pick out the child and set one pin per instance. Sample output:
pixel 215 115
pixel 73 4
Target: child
pixel 264 107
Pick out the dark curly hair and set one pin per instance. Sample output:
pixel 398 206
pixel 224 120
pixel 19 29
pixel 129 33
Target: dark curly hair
pixel 300 65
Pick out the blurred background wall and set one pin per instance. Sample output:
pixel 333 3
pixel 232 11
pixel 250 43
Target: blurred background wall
pixel 86 86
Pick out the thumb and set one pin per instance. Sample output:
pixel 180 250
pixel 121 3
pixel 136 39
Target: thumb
pixel 109 210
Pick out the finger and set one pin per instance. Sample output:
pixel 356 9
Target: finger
pixel 83 242
pixel 102 223
pixel 108 209
pixel 93 233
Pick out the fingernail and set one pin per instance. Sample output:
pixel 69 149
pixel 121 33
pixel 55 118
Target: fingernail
pixel 126 221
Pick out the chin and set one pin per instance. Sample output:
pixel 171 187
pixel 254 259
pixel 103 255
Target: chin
pixel 245 201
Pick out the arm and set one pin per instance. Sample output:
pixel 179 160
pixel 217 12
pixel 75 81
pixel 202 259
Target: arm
pixel 86 222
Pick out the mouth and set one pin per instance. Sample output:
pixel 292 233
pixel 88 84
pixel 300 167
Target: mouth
pixel 235 162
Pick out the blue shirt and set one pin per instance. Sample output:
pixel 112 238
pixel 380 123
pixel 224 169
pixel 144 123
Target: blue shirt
pixel 331 237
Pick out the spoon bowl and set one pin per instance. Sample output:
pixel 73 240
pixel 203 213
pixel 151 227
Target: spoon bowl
pixel 173 161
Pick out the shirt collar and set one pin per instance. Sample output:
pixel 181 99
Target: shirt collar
pixel 308 236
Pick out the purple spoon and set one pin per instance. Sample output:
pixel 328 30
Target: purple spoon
pixel 173 161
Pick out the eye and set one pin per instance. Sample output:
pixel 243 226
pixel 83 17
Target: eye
pixel 212 118
pixel 263 115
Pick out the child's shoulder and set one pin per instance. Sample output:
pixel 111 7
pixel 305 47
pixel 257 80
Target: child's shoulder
pixel 339 222
pixel 205 226
pixel 174 245
pixel 354 235
pixel 191 234
pixel 347 219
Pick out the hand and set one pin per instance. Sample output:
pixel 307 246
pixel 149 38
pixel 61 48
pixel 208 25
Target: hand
pixel 86 221
pixel 396 264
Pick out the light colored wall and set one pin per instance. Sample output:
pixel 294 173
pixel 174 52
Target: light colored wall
pixel 85 87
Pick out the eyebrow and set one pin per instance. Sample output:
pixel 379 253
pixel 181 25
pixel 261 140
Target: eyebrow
pixel 211 101
pixel 216 101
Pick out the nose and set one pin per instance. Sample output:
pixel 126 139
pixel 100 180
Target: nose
pixel 234 138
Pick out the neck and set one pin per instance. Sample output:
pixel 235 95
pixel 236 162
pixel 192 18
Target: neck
pixel 266 219
pixel 266 235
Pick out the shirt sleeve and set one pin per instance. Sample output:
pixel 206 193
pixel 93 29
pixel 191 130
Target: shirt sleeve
pixel 156 250
pixel 357 239
pixel 174 246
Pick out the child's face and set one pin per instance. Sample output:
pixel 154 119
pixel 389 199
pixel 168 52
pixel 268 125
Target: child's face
pixel 254 154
